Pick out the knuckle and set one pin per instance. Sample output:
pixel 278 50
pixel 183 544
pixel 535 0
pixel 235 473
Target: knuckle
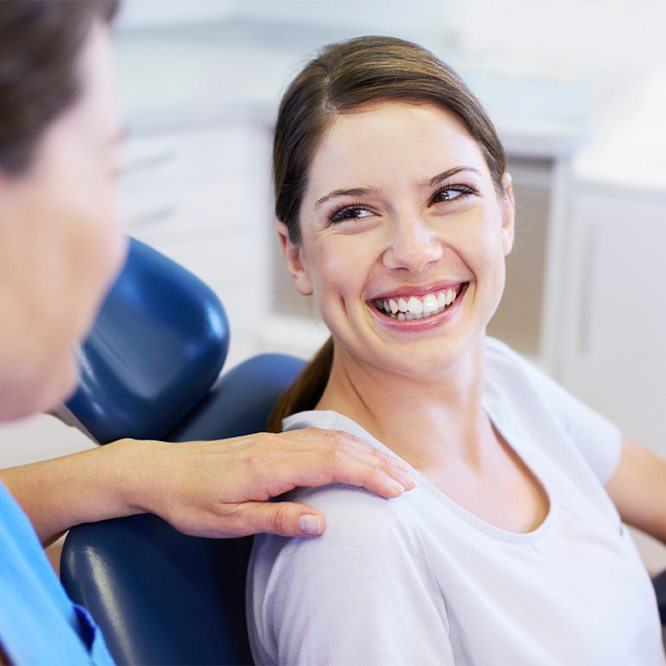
pixel 384 459
pixel 335 437
pixel 279 520
pixel 255 465
pixel 372 473
pixel 335 454
pixel 231 519
pixel 332 437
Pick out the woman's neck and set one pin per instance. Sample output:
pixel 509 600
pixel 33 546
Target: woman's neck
pixel 428 421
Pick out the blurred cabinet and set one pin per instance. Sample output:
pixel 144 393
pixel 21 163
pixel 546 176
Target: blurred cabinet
pixel 519 316
pixel 613 324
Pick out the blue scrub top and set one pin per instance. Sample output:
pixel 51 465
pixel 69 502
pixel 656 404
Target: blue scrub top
pixel 39 624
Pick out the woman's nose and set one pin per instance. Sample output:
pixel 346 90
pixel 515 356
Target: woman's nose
pixel 412 245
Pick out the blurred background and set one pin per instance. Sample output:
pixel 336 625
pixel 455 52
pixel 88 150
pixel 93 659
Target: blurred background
pixel 577 90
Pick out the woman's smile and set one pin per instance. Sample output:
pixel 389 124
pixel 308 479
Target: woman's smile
pixel 400 215
pixel 415 314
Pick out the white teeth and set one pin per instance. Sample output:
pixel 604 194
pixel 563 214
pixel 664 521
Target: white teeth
pixel 429 304
pixel 416 308
pixel 415 305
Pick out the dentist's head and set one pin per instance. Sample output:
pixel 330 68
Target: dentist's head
pixel 61 241
pixel 395 211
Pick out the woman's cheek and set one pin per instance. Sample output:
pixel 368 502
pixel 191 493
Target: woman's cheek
pixel 337 281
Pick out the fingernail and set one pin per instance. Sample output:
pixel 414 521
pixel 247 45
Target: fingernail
pixel 309 524
pixel 400 464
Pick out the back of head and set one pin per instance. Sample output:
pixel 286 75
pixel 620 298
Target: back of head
pixel 57 192
pixel 346 76
pixel 40 44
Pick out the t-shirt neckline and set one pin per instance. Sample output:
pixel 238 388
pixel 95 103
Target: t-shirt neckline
pixel 498 420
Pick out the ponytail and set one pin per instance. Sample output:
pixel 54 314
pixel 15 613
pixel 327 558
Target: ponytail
pixel 306 391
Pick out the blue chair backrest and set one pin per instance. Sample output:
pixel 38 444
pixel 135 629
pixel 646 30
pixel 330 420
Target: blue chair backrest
pixel 157 346
pixel 160 596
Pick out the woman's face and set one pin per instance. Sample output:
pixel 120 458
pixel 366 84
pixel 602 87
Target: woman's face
pixel 400 210
pixel 61 242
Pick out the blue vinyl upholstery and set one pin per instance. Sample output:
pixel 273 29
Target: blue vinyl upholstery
pixel 148 366
pixel 157 346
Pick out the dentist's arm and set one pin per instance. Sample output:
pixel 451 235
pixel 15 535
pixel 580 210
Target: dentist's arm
pixel 213 489
pixel 638 489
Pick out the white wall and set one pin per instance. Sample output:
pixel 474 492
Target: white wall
pixel 151 13
pixel 567 35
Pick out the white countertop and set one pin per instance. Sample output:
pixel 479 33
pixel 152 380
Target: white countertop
pixel 173 78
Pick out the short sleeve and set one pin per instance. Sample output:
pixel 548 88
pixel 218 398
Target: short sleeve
pixel 597 438
pixel 361 593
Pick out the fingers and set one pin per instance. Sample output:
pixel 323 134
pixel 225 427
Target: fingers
pixel 315 437
pixel 337 457
pixel 287 519
pixel 363 445
pixel 372 471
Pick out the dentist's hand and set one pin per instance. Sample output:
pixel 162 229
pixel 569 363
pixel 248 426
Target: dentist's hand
pixel 220 488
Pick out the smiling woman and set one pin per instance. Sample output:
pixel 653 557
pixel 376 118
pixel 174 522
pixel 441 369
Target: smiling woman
pixel 396 213
pixel 372 105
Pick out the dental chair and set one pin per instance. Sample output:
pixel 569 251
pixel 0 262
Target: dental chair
pixel 151 370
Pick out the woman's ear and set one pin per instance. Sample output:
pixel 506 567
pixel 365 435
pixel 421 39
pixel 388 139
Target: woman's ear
pixel 508 207
pixel 293 256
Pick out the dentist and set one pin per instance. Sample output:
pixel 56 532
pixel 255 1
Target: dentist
pixel 61 246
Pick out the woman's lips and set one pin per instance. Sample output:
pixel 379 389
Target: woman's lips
pixel 420 292
pixel 424 323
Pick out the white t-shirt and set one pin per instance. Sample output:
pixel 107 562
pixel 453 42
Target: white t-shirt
pixel 420 580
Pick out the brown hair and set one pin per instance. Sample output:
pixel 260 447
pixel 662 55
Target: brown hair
pixel 40 44
pixel 344 77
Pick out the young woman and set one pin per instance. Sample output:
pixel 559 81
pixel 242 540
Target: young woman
pixel 396 212
pixel 61 244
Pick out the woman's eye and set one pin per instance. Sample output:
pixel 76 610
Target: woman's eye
pixel 452 193
pixel 350 213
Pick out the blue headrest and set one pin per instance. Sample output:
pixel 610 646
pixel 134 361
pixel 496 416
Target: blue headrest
pixel 243 399
pixel 157 346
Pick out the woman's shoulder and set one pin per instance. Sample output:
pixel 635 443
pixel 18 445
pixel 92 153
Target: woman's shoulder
pixel 354 517
pixel 361 528
pixel 305 595
pixel 366 539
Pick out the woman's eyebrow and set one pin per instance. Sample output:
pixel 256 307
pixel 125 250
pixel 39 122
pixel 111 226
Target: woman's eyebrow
pixel 435 180
pixel 353 192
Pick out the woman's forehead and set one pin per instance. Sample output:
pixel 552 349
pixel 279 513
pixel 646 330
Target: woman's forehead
pixel 391 139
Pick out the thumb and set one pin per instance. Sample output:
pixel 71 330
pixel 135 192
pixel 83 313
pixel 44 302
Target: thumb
pixel 283 518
